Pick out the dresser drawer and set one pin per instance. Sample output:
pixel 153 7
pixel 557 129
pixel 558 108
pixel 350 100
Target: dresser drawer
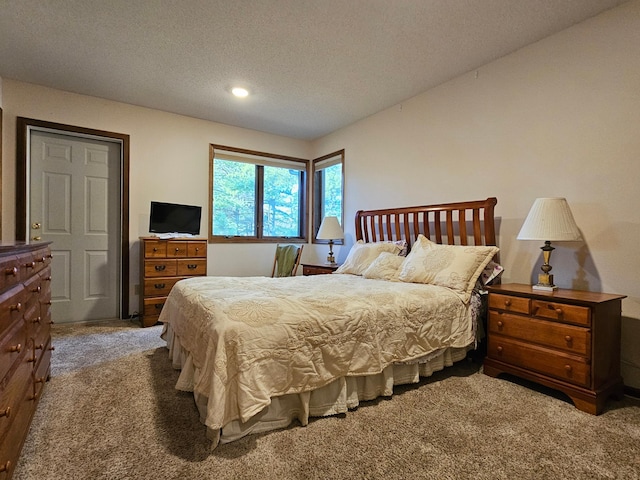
pixel 192 267
pixel 160 268
pixel 13 394
pixel 159 287
pixel 561 312
pixel 42 371
pixel 13 346
pixel 155 249
pixel 12 307
pixel 510 303
pixel 555 335
pixel 569 368
pixel 9 272
pixel 153 306
pixel 197 249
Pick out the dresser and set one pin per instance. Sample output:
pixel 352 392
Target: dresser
pixel 568 340
pixel 319 269
pixel 162 263
pixel 25 342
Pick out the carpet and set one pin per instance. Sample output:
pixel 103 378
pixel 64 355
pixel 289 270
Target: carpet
pixel 110 411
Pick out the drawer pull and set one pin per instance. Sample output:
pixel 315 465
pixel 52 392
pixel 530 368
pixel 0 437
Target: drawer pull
pixel 568 368
pixel 15 308
pixel 41 259
pixel 568 338
pixel 6 412
pixel 38 289
pixel 499 349
pixel 197 249
pixel 155 249
pixel 160 268
pixel 37 320
pixel 52 348
pixel 507 303
pixel 191 266
pixel 177 249
pixel 5 467
pixel 47 279
pixel 40 380
pixel 159 285
pixel 39 347
pixel 500 324
pixel 559 311
pixel 30 265
pixel 159 306
pixel 15 348
pixel 11 271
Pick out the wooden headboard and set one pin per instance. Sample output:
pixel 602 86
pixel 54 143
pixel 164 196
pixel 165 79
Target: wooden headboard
pixel 461 223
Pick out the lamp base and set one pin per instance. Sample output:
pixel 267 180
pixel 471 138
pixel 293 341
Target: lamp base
pixel 545 283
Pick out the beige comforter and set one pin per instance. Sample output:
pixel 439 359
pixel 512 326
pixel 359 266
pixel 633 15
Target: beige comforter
pixel 254 338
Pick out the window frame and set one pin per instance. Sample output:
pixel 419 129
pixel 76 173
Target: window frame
pixel 317 214
pixel 260 160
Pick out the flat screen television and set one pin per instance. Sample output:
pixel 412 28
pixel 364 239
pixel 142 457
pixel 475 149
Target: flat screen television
pixel 174 218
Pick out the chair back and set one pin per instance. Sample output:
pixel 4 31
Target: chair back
pixel 286 260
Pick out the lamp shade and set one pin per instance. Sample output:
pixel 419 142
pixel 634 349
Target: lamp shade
pixel 550 219
pixel 330 229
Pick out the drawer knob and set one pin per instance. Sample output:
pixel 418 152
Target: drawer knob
pixel 568 338
pixel 159 285
pixel 47 279
pixel 559 311
pixel 39 347
pixel 38 289
pixel 500 324
pixel 52 348
pixel 15 348
pixel 30 265
pixel 499 349
pixel 37 320
pixel 6 412
pixel 11 271
pixel 40 380
pixel 177 249
pixel 5 466
pixel 159 306
pixel 160 268
pixel 568 368
pixel 507 303
pixel 197 249
pixel 15 308
pixel 155 249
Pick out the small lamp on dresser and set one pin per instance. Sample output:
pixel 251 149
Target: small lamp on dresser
pixel 331 230
pixel 549 220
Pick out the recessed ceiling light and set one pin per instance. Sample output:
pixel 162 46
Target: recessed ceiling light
pixel 240 92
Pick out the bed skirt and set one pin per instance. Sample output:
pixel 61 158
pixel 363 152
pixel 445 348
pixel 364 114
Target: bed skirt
pixel 339 396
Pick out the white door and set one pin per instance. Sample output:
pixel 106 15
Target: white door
pixel 74 199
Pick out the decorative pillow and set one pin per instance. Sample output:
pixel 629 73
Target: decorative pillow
pixel 386 267
pixel 453 266
pixel 363 254
pixel 402 244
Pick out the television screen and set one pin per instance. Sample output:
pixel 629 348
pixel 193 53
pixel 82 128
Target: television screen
pixel 174 218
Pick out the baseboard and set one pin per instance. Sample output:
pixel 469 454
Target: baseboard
pixel 632 392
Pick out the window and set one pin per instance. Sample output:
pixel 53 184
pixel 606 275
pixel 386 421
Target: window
pixel 328 189
pixel 256 196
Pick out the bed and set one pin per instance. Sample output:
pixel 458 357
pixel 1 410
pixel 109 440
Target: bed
pixel 259 353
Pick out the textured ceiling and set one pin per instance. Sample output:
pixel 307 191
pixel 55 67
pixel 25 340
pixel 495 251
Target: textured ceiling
pixel 313 66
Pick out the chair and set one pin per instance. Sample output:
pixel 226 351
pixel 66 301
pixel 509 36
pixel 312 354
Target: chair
pixel 286 260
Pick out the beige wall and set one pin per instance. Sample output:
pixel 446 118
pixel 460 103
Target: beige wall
pixel 169 160
pixel 558 118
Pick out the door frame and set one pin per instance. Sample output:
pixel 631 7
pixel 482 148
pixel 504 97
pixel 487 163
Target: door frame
pixel 23 128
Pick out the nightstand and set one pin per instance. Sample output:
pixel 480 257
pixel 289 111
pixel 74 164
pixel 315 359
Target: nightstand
pixel 568 340
pixel 319 269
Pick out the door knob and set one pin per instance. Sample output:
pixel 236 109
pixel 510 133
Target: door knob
pixel 35 225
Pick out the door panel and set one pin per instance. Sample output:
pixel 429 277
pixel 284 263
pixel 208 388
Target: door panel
pixel 75 203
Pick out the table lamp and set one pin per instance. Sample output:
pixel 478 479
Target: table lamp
pixel 330 230
pixel 549 220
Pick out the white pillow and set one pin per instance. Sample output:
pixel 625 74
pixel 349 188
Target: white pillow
pixel 386 267
pixel 363 254
pixel 453 266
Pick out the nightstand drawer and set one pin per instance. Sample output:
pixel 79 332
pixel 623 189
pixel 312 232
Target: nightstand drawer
pixel 569 368
pixel 510 303
pixel 555 335
pixel 561 312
